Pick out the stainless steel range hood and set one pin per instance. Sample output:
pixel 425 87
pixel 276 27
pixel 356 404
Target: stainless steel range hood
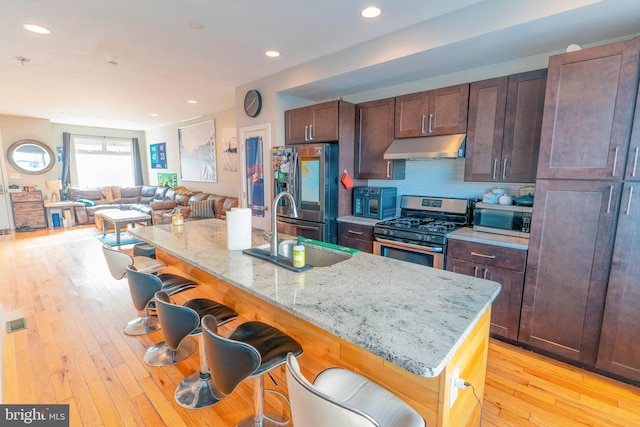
pixel 429 147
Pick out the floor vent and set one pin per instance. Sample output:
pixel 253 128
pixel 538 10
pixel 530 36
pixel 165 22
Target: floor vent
pixel 16 325
pixel 5 231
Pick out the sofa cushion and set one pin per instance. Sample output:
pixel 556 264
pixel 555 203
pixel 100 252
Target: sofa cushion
pixel 86 202
pixel 182 199
pixel 147 194
pixel 110 194
pixel 163 205
pixel 201 209
pixel 229 202
pixel 130 194
pixel 160 193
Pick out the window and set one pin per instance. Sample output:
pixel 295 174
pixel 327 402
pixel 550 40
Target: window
pixel 101 161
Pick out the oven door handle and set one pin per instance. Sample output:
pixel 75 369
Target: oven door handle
pixel 408 247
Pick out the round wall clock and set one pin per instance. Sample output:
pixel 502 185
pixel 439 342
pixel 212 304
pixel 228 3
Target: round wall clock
pixel 252 103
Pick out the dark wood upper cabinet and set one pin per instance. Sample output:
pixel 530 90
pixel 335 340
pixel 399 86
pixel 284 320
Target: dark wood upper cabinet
pixel 620 336
pixel 588 111
pixel 505 118
pixel 435 112
pixel 374 134
pixel 568 266
pixel 316 123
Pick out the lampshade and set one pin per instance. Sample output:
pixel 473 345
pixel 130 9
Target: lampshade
pixel 54 185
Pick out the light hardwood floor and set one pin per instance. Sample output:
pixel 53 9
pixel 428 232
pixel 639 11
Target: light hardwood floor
pixel 74 352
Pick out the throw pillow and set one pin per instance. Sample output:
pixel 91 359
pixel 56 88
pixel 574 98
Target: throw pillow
pixel 86 202
pixel 201 209
pixel 106 193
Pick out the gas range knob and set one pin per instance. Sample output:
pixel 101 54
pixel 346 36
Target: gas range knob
pixel 392 232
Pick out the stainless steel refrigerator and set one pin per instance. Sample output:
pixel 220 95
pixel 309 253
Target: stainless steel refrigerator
pixel 310 173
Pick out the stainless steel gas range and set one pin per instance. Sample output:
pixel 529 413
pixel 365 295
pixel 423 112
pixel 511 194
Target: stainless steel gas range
pixel 419 235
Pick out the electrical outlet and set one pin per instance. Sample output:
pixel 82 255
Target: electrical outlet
pixel 453 386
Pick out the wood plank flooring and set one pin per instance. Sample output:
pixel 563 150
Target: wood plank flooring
pixel 74 352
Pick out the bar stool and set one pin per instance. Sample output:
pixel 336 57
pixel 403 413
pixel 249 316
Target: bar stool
pixel 117 261
pixel 179 322
pixel 340 397
pixel 143 287
pixel 251 350
pixel 144 249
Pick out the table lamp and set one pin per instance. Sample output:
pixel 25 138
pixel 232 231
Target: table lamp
pixel 54 186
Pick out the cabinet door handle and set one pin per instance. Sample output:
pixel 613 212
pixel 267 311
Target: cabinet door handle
pixel 495 168
pixel 615 162
pixel 306 133
pixel 483 255
pixel 629 201
pixel 484 275
pixel 358 233
pixel 504 169
pixel 388 168
pixel 610 197
pixel 430 123
pixel 424 119
pixel 635 163
pixel 310 132
pixel 475 271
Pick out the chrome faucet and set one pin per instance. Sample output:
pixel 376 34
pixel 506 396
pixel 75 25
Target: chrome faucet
pixel 273 248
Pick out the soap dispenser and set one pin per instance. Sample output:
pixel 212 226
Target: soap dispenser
pixel 299 254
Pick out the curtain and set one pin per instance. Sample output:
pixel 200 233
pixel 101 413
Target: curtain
pixel 66 159
pixel 137 163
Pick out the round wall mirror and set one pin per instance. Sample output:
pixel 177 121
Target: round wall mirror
pixel 30 156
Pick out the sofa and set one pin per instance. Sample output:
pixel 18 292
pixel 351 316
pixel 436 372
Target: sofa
pixel 158 202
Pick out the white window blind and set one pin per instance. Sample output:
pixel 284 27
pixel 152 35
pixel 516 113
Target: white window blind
pixel 101 161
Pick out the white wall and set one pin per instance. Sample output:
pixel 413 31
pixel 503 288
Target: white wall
pixel 227 181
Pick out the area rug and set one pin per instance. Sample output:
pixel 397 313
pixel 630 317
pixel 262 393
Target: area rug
pixel 110 238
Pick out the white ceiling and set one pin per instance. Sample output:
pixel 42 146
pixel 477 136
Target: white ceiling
pixel 162 62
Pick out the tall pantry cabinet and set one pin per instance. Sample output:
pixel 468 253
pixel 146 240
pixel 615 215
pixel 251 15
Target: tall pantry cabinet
pixel 570 281
pixel 619 350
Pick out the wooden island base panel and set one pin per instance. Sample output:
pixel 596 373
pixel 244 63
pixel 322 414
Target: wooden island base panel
pixel 403 325
pixel 429 396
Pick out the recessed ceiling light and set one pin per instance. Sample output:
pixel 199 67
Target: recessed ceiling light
pixel 154 114
pixel 370 12
pixel 194 25
pixel 36 28
pixel 272 53
pixel 191 101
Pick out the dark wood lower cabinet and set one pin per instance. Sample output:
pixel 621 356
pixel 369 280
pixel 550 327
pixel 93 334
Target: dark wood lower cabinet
pixel 619 349
pixel 356 236
pixel 568 267
pixel 503 265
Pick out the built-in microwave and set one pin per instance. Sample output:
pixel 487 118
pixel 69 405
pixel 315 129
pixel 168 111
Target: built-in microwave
pixel 502 219
pixel 375 202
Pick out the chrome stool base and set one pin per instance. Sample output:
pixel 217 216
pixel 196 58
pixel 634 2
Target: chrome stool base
pixel 142 326
pixel 161 355
pixel 195 392
pixel 266 422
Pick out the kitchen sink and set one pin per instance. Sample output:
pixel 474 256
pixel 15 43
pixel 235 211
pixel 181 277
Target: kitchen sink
pixel 316 256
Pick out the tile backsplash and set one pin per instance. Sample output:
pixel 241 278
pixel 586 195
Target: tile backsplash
pixel 441 178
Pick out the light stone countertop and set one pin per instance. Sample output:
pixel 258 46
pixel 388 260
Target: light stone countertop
pixel 413 316
pixel 470 235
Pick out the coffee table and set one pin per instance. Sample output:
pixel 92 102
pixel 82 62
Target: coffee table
pixel 120 217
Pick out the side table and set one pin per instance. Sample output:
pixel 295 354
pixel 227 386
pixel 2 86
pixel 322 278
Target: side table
pixel 65 206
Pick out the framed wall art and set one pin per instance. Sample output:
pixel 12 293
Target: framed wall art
pixel 198 152
pixel 158 153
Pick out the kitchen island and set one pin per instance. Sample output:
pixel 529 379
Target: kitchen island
pixel 408 327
